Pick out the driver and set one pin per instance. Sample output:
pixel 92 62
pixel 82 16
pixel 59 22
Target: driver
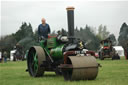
pixel 43 29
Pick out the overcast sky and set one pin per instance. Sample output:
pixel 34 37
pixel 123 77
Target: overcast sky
pixel 109 13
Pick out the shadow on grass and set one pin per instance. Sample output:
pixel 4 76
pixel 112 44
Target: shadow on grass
pixel 50 75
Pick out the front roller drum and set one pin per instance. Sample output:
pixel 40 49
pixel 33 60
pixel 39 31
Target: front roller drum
pixel 80 68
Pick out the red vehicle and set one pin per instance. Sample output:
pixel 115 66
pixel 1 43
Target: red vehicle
pixel 126 52
pixel 107 51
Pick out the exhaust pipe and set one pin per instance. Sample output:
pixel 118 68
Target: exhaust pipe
pixel 70 18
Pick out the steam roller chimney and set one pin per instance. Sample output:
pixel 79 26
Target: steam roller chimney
pixel 70 19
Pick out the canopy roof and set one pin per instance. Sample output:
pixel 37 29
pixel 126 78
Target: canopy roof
pixel 118 47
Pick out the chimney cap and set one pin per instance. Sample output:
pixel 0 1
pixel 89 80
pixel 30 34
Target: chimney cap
pixel 70 8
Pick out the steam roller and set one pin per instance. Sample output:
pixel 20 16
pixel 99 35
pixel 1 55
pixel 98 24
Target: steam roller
pixel 63 54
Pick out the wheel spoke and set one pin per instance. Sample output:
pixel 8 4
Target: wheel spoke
pixel 35 62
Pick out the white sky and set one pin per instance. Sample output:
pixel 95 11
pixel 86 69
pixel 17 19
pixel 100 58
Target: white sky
pixel 109 13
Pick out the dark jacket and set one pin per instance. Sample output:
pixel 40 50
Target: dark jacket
pixel 43 30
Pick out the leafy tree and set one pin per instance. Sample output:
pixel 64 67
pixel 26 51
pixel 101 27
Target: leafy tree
pixel 123 35
pixel 102 32
pixel 113 39
pixel 88 36
pixel 7 43
pixel 25 30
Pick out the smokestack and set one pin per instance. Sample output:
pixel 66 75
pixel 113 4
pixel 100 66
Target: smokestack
pixel 70 18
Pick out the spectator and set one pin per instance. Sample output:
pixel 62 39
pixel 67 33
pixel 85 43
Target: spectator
pixel 5 56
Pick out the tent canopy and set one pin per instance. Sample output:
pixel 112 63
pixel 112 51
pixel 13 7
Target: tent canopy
pixel 119 50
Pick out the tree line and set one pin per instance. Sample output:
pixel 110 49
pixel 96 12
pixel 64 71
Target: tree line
pixel 92 36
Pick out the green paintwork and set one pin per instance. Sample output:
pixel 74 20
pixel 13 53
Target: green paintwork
pixel 53 48
pixel 51 42
pixel 57 53
pixel 35 62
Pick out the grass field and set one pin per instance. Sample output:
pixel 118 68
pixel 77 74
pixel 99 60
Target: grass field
pixel 111 73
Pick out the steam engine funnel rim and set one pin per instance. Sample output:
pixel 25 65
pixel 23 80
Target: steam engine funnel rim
pixel 70 8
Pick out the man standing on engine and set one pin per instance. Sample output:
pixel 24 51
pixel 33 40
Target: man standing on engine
pixel 43 29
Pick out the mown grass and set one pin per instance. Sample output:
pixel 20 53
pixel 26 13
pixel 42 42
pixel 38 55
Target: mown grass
pixel 111 73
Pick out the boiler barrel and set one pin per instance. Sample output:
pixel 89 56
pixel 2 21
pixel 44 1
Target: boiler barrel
pixel 57 53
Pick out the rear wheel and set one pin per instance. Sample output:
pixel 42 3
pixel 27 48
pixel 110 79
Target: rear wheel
pixel 35 58
pixel 116 57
